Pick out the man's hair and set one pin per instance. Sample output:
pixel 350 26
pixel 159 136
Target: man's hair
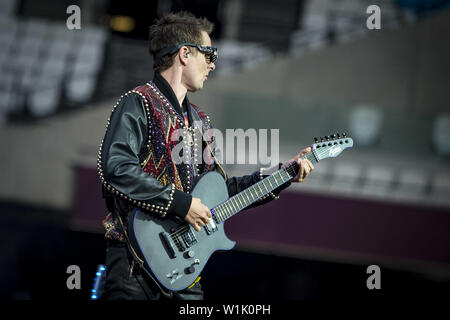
pixel 172 29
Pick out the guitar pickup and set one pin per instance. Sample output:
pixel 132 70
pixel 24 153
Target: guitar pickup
pixel 168 245
pixel 189 238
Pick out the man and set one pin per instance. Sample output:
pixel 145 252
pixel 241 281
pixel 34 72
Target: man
pixel 136 164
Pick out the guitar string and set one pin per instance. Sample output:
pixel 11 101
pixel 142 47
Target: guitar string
pixel 289 168
pixel 220 207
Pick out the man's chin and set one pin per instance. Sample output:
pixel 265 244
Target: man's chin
pixel 197 88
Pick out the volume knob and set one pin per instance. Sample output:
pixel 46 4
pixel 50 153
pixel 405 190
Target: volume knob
pixel 190 254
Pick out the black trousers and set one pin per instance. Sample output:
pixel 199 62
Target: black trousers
pixel 125 283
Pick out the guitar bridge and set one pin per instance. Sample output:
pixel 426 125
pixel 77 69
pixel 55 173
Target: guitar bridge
pixel 189 238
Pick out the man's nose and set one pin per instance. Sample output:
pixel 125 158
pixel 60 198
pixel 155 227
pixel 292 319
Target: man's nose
pixel 212 66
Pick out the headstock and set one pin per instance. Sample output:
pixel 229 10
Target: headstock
pixel 331 146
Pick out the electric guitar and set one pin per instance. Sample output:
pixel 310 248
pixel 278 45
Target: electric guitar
pixel 175 253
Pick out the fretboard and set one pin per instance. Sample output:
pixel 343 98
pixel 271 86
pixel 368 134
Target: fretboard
pixel 240 201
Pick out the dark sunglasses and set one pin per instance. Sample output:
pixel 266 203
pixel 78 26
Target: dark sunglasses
pixel 211 53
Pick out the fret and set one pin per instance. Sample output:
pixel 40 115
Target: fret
pixel 224 209
pixel 230 211
pixel 231 208
pixel 257 192
pixel 249 201
pixel 226 204
pixel 265 187
pixel 243 199
pixel 238 203
pixel 259 186
pixel 237 197
pixel 281 176
pixel 230 204
pixel 218 212
pixel 254 196
pixel 236 208
pixel 223 212
pixel 287 175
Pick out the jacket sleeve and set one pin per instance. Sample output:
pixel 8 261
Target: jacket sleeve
pixel 120 159
pixel 236 185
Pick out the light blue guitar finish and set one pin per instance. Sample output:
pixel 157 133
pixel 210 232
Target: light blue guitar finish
pixel 175 253
pixel 177 260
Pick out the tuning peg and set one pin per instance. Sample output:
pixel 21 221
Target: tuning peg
pixel 344 134
pixel 338 136
pixel 316 140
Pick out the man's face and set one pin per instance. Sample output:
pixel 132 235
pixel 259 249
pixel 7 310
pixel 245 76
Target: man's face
pixel 197 70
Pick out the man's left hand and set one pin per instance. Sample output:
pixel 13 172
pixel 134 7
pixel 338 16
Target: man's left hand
pixel 305 166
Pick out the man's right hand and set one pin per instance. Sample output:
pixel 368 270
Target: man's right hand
pixel 198 214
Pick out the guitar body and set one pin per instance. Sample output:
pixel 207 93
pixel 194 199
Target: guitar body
pixel 175 253
pixel 171 249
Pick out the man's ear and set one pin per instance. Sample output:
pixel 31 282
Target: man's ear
pixel 184 55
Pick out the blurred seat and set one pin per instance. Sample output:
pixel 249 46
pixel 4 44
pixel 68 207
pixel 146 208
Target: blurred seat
pixel 8 7
pixel 88 60
pixel 42 57
pixel 306 40
pixel 378 182
pixel 59 49
pixel 59 32
pixel 346 179
pixel 6 93
pixel 45 97
pixel 441 135
pixel 34 28
pixel 440 189
pixel 8 29
pixel 44 100
pixel 81 89
pixel 237 55
pixel 26 53
pixel 411 186
pixel 87 63
pixel 94 35
pixel 81 82
pixel 366 122
pixel 52 69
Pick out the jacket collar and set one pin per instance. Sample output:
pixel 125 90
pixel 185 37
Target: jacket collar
pixel 167 91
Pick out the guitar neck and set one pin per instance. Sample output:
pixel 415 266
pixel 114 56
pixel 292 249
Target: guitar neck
pixel 240 201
